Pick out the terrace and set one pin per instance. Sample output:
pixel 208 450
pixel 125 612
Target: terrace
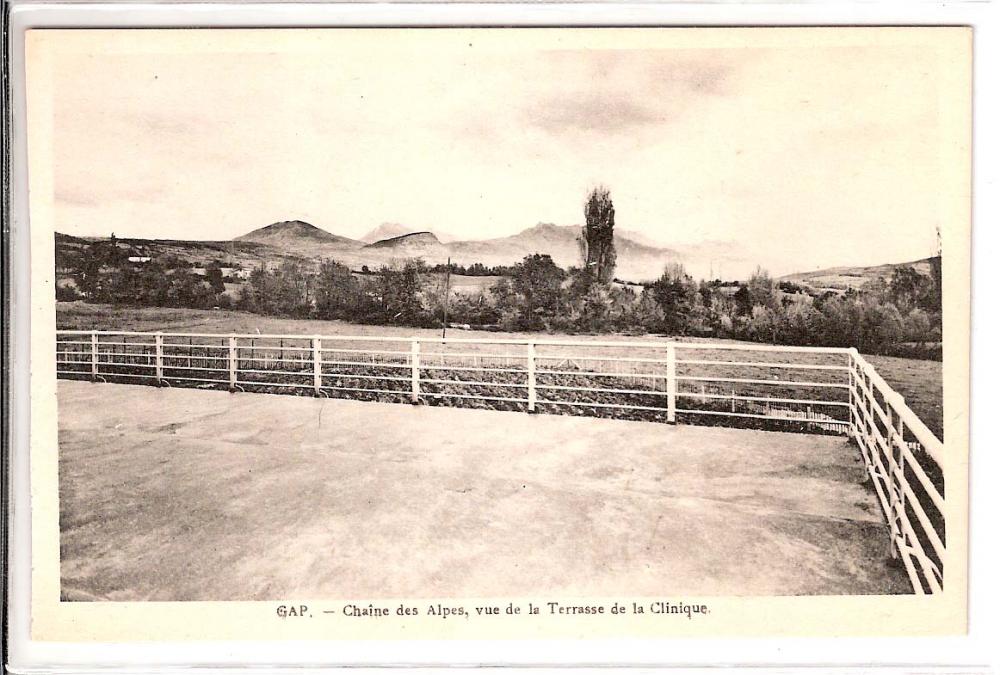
pixel 713 493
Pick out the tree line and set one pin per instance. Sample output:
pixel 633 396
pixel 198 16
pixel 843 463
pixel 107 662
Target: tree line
pixel 900 315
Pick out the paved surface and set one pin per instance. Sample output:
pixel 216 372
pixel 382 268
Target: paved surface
pixel 180 494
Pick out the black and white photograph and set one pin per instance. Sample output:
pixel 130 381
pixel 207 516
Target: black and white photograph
pixel 363 323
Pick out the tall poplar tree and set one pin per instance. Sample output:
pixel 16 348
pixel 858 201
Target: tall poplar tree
pixel 598 241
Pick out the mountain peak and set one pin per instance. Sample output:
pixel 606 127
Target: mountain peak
pixel 550 227
pixel 288 230
pixel 385 231
pixel 407 240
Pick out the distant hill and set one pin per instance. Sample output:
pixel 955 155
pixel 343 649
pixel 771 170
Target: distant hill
pixel 247 254
pixel 417 245
pixel 293 232
pixel 392 230
pixel 842 278
pixel 300 239
pixel 70 239
pixel 638 237
pixel 414 239
pixel 386 231
pixel 636 261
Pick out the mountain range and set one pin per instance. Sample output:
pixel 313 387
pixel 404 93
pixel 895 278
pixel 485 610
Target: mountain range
pixel 391 241
pixel 639 258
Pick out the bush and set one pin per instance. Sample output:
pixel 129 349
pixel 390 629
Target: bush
pixel 67 293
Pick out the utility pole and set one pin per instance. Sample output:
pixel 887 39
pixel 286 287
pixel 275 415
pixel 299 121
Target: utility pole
pixel 447 295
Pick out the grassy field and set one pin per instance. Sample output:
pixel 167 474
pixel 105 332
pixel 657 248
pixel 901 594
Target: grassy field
pixel 918 381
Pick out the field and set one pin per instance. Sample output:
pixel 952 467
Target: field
pixel 919 382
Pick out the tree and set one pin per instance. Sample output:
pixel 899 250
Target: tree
pixel 291 291
pixel 907 287
pixel 214 275
pixel 89 274
pixel 399 291
pixel 337 291
pixel 932 301
pixel 647 312
pixel 595 312
pixel 598 240
pixel 761 289
pixel 255 294
pixel 505 302
pixel 744 303
pixel 676 294
pixel 763 326
pixel 538 281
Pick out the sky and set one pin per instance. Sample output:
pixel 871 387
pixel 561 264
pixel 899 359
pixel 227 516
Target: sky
pixel 808 150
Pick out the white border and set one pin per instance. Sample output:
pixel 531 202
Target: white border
pixel 971 653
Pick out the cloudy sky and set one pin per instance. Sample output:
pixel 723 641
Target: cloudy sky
pixel 811 150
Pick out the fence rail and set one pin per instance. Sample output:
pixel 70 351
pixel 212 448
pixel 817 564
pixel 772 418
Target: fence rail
pixel 898 447
pixel 804 389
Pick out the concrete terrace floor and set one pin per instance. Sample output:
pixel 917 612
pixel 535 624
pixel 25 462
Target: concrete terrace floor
pixel 182 494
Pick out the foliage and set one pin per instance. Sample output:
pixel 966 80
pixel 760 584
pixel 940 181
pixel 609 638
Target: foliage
pixel 538 283
pixel 282 291
pixel 338 292
pixel 598 240
pixel 900 315
pixel 474 270
pixel 213 275
pixel 675 292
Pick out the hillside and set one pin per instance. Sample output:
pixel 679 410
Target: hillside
pixel 234 253
pixel 416 242
pixel 423 245
pixel 392 230
pixel 842 278
pixel 300 238
pixel 385 231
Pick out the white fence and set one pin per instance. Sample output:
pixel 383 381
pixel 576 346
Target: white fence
pixel 820 390
pixel 900 453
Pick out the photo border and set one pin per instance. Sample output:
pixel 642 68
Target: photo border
pixel 19 289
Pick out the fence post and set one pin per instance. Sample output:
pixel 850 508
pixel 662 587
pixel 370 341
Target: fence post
pixel 415 371
pixel 317 345
pixel 895 485
pixel 93 355
pixel 873 429
pixel 233 365
pixel 671 384
pixel 851 393
pixel 897 431
pixel 159 359
pixel 531 377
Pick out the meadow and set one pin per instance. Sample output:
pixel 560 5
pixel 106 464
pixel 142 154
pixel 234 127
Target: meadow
pixel 918 381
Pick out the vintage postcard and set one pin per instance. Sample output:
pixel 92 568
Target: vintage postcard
pixel 499 333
